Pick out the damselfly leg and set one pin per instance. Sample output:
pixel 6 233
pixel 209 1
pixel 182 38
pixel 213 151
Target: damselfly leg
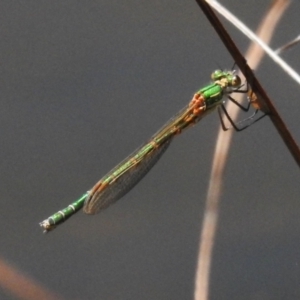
pixel 243 124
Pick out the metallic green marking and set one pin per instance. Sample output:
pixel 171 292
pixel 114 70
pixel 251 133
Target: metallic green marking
pixel 62 215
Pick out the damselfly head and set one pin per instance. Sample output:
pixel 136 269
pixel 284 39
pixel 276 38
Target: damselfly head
pixel 229 78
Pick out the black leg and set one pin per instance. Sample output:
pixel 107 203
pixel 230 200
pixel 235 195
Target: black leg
pixel 240 105
pixel 221 120
pixel 238 90
pixel 237 126
pixel 243 124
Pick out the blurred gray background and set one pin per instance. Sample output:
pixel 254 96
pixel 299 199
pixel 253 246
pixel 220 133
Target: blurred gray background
pixel 82 84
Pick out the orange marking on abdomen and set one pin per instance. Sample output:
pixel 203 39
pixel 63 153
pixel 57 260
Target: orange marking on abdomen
pixel 197 104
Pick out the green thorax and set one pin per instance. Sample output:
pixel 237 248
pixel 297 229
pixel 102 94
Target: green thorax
pixel 212 94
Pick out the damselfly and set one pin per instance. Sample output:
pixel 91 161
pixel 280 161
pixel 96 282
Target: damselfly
pixel 121 179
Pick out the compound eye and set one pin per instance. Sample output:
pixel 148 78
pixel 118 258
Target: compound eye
pixel 216 75
pixel 236 81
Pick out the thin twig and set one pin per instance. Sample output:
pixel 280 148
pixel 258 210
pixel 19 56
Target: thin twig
pixel 288 45
pixel 254 38
pixel 221 152
pixel 264 100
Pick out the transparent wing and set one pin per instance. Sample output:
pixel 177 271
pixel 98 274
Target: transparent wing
pixel 104 194
pixel 130 171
